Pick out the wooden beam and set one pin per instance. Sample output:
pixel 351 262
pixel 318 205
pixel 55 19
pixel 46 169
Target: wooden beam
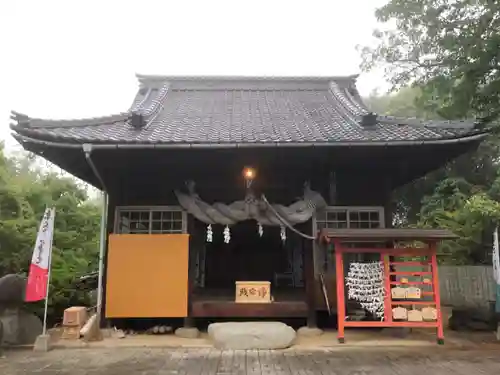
pixel 389 234
pixel 231 309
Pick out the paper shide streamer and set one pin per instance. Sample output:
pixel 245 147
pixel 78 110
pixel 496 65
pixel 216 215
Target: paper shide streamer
pixel 365 284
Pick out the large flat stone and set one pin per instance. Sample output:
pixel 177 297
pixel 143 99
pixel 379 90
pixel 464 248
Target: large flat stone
pixel 251 335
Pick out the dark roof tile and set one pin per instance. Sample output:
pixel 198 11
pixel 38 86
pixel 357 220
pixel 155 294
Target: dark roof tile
pixel 242 110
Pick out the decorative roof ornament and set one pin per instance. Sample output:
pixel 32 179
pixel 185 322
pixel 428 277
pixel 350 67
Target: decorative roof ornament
pixel 369 120
pixel 137 120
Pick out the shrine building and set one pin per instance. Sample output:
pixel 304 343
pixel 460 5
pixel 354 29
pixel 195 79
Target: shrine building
pixel 218 187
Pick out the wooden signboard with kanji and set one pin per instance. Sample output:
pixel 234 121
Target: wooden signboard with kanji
pixel 253 292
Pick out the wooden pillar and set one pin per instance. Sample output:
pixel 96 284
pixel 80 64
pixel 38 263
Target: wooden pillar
pixel 309 281
pixel 193 252
pixel 388 224
pixel 339 269
pixel 387 285
pixel 437 294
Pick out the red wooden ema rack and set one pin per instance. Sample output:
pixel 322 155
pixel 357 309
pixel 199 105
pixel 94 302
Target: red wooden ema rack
pixel 392 279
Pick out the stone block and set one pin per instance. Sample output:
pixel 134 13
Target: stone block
pixel 20 327
pixel 251 335
pixel 42 343
pixel 187 332
pixel 309 332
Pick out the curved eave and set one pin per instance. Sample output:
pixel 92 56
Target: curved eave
pixel 26 122
pixel 74 160
pixel 62 143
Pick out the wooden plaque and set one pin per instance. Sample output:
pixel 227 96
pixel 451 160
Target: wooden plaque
pixel 399 313
pixel 253 292
pixel 429 314
pixel 398 293
pixel 413 293
pixel 414 316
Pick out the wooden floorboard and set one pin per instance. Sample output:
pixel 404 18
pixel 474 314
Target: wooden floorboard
pixel 219 303
pixel 229 309
pixel 207 361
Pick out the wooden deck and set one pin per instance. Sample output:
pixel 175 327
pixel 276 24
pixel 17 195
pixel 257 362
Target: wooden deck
pixel 369 360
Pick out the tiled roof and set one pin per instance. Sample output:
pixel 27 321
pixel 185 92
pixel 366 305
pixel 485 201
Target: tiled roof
pixel 240 110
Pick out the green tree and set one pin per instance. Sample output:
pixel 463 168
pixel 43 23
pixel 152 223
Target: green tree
pixel 448 48
pixel 26 189
pixel 463 196
pixel 444 54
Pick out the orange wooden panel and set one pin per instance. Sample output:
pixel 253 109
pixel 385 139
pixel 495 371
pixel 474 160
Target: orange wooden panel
pixel 147 276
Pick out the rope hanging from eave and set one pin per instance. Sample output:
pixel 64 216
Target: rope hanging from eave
pixel 284 222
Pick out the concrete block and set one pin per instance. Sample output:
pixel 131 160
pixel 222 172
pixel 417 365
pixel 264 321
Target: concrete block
pixel 309 332
pixel 187 332
pixel 42 343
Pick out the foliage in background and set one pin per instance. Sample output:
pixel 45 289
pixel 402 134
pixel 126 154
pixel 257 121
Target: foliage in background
pixel 447 48
pixel 463 196
pixel 25 190
pixel 442 57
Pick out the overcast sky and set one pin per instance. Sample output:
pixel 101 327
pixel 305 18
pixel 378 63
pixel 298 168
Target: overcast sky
pixel 70 59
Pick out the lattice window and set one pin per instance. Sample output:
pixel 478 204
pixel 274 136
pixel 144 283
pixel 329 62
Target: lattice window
pixel 150 220
pixel 350 217
pixel 365 219
pixel 344 218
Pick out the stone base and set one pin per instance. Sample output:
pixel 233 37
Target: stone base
pixel 42 343
pixel 107 333
pixel 91 330
pixel 187 332
pixel 309 332
pixel 251 335
pixel 118 334
pixel 20 327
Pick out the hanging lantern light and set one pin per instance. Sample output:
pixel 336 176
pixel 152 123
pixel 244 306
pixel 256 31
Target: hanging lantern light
pixel 249 175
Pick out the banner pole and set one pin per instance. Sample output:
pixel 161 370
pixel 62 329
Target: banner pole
pixel 49 271
pixel 102 246
pixel 496 276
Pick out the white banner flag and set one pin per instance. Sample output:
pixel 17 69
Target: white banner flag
pixel 36 286
pixel 496 257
